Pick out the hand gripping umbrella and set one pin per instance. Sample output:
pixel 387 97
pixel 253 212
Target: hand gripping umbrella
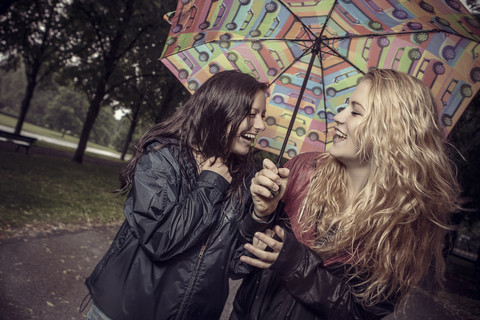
pixel 313 53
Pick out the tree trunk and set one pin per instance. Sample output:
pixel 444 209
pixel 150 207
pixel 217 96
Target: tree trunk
pixel 92 114
pixel 167 98
pixel 26 102
pixel 133 125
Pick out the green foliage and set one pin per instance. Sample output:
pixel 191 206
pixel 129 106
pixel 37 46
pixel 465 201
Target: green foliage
pixel 103 130
pixel 10 122
pixel 12 86
pixel 117 49
pixel 32 33
pixel 118 140
pixel 51 190
pixel 66 112
pixel 474 5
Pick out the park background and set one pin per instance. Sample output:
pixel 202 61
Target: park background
pixel 87 72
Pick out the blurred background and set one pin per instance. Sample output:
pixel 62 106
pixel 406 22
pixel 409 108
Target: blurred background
pixel 83 78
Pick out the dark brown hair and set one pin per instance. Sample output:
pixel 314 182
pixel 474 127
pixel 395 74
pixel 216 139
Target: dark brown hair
pixel 202 123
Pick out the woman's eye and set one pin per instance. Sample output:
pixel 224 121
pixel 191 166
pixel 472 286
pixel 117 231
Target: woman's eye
pixel 355 113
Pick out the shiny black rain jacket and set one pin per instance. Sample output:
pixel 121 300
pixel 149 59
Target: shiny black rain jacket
pixel 299 285
pixel 170 258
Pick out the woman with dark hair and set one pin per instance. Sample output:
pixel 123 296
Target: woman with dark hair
pixel 187 191
pixel 360 224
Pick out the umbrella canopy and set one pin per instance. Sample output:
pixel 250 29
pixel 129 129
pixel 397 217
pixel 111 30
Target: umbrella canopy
pixel 313 53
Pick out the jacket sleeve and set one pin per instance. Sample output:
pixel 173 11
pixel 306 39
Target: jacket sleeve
pixel 247 228
pixel 166 220
pixel 319 288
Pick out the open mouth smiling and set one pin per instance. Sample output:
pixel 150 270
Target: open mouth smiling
pixel 250 137
pixel 339 135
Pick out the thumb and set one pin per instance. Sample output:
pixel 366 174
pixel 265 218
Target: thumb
pixel 283 172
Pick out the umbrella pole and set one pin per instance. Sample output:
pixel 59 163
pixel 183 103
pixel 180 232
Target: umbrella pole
pixel 315 52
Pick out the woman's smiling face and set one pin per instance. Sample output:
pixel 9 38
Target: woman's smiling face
pixel 344 148
pixel 250 126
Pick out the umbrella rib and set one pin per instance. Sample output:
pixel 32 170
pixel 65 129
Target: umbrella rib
pixel 324 102
pixel 296 17
pixel 399 33
pixel 328 17
pixel 235 40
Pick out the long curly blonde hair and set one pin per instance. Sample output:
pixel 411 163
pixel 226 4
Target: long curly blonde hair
pixel 400 217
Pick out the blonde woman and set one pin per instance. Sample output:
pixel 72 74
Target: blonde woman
pixel 365 220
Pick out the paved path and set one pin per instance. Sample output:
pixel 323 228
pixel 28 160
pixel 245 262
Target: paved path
pixel 62 142
pixel 42 277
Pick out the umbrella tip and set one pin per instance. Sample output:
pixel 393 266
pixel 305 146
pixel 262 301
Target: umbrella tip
pixel 168 17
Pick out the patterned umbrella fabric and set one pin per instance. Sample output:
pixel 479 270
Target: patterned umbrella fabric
pixel 312 53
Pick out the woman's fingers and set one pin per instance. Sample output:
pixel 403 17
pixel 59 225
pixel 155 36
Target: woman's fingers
pixel 259 190
pixel 269 241
pixel 216 164
pixel 265 259
pixel 264 182
pixel 270 233
pixel 260 241
pixel 280 233
pixel 262 254
pixel 255 262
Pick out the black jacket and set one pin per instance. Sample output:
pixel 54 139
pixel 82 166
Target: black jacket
pixel 170 258
pixel 298 285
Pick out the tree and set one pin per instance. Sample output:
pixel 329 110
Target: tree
pixel 10 96
pixel 66 112
pixel 31 32
pixel 112 35
pixel 474 6
pixel 104 128
pixel 151 97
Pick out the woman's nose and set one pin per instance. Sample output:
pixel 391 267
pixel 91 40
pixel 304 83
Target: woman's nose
pixel 259 123
pixel 339 117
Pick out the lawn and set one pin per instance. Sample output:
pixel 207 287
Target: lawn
pixel 40 190
pixel 11 122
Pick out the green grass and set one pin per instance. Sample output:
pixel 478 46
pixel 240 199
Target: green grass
pixel 38 189
pixel 12 122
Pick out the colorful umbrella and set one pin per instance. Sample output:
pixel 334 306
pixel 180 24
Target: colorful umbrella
pixel 313 53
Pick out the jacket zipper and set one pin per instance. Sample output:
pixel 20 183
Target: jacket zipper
pixel 190 287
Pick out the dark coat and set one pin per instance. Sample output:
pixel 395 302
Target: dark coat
pixel 300 284
pixel 170 258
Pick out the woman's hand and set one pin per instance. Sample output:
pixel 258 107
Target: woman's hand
pixel 216 164
pixel 268 187
pixel 260 242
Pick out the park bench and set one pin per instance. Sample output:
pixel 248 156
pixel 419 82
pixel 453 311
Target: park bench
pixel 19 140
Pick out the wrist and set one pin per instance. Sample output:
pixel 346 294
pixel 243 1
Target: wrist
pixel 256 216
